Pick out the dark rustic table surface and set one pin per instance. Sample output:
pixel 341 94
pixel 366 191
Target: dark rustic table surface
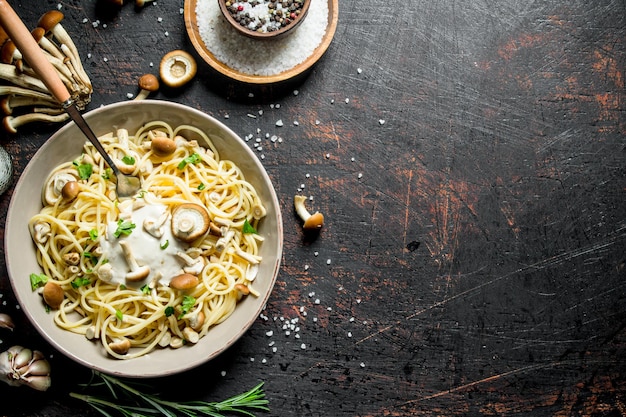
pixel 470 158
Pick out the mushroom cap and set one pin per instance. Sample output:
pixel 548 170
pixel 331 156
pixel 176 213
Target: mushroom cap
pixel 53 294
pixel 8 51
pixel 50 19
pixel 38 33
pixel 177 68
pixel 315 221
pixel 162 146
pixel 190 221
pixel 184 282
pixel 70 190
pixel 148 82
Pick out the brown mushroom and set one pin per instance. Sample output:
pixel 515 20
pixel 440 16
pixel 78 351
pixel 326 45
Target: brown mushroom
pixel 184 282
pixel 161 145
pixel 311 221
pixel 148 83
pixel 53 294
pixel 190 221
pixel 70 190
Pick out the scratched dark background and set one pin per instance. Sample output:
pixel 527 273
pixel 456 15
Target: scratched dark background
pixel 470 159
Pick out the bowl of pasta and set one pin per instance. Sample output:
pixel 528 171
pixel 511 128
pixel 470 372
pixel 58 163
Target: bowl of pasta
pixel 158 283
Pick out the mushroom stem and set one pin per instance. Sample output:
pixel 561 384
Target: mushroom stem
pixel 10 102
pixel 11 123
pixel 311 221
pixel 137 272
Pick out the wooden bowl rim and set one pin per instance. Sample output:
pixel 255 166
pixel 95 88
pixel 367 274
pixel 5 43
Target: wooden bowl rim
pixel 191 24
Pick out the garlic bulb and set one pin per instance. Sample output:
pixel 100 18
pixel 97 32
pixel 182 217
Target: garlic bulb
pixel 22 366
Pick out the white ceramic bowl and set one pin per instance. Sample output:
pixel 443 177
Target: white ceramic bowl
pixel 66 145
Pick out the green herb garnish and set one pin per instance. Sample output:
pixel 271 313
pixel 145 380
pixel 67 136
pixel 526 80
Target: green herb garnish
pixel 145 289
pixel 128 160
pixel 194 158
pixel 80 282
pixel 201 187
pixel 119 315
pixel 248 228
pixel 124 228
pixel 84 170
pixel 127 400
pixel 38 281
pixel 107 174
pixel 164 245
pixel 169 310
pixel 186 305
pixel 93 234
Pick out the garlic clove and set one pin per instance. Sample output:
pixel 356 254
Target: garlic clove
pixel 6 322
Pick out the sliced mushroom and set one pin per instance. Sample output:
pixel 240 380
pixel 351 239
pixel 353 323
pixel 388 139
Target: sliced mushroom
pixel 196 321
pixel 192 266
pixel 177 68
pixel 190 221
pixel 155 226
pixel 137 272
pixel 72 258
pixel 41 232
pixel 191 335
pixel 120 346
pixel 105 272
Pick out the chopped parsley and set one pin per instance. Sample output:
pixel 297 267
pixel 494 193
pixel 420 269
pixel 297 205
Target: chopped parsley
pixel 194 158
pixel 124 228
pixel 80 282
pixel 169 310
pixel 38 281
pixel 107 174
pixel 128 160
pixel 165 244
pixel 145 289
pixel 201 187
pixel 248 228
pixel 84 170
pixel 93 234
pixel 186 305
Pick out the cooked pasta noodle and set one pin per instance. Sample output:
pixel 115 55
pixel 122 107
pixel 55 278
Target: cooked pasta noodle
pixel 78 249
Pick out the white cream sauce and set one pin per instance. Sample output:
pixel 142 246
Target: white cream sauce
pixel 146 248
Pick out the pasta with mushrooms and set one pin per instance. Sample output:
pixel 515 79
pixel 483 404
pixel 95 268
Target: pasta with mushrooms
pixel 157 270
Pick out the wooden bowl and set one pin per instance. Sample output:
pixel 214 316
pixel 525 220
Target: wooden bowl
pixel 289 26
pixel 193 31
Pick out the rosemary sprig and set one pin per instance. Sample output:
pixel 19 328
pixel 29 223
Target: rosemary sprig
pixel 141 404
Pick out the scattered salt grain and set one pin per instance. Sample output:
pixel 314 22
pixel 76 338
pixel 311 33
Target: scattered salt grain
pixel 359 70
pixel 349 334
pixel 279 123
pixel 362 365
pixel 223 373
pixel 166 34
pixel 316 253
pixel 360 176
pixel 269 333
pixel 381 122
pixel 159 19
pixel 306 267
pixel 296 92
pixel 296 123
pixel 303 346
pixel 327 261
pixel 257 57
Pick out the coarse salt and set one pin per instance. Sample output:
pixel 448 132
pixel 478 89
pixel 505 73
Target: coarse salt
pixel 260 57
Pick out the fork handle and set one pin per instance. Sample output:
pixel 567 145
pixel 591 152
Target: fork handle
pixel 30 50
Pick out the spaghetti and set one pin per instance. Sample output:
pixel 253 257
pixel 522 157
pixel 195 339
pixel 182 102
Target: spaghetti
pixel 117 262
